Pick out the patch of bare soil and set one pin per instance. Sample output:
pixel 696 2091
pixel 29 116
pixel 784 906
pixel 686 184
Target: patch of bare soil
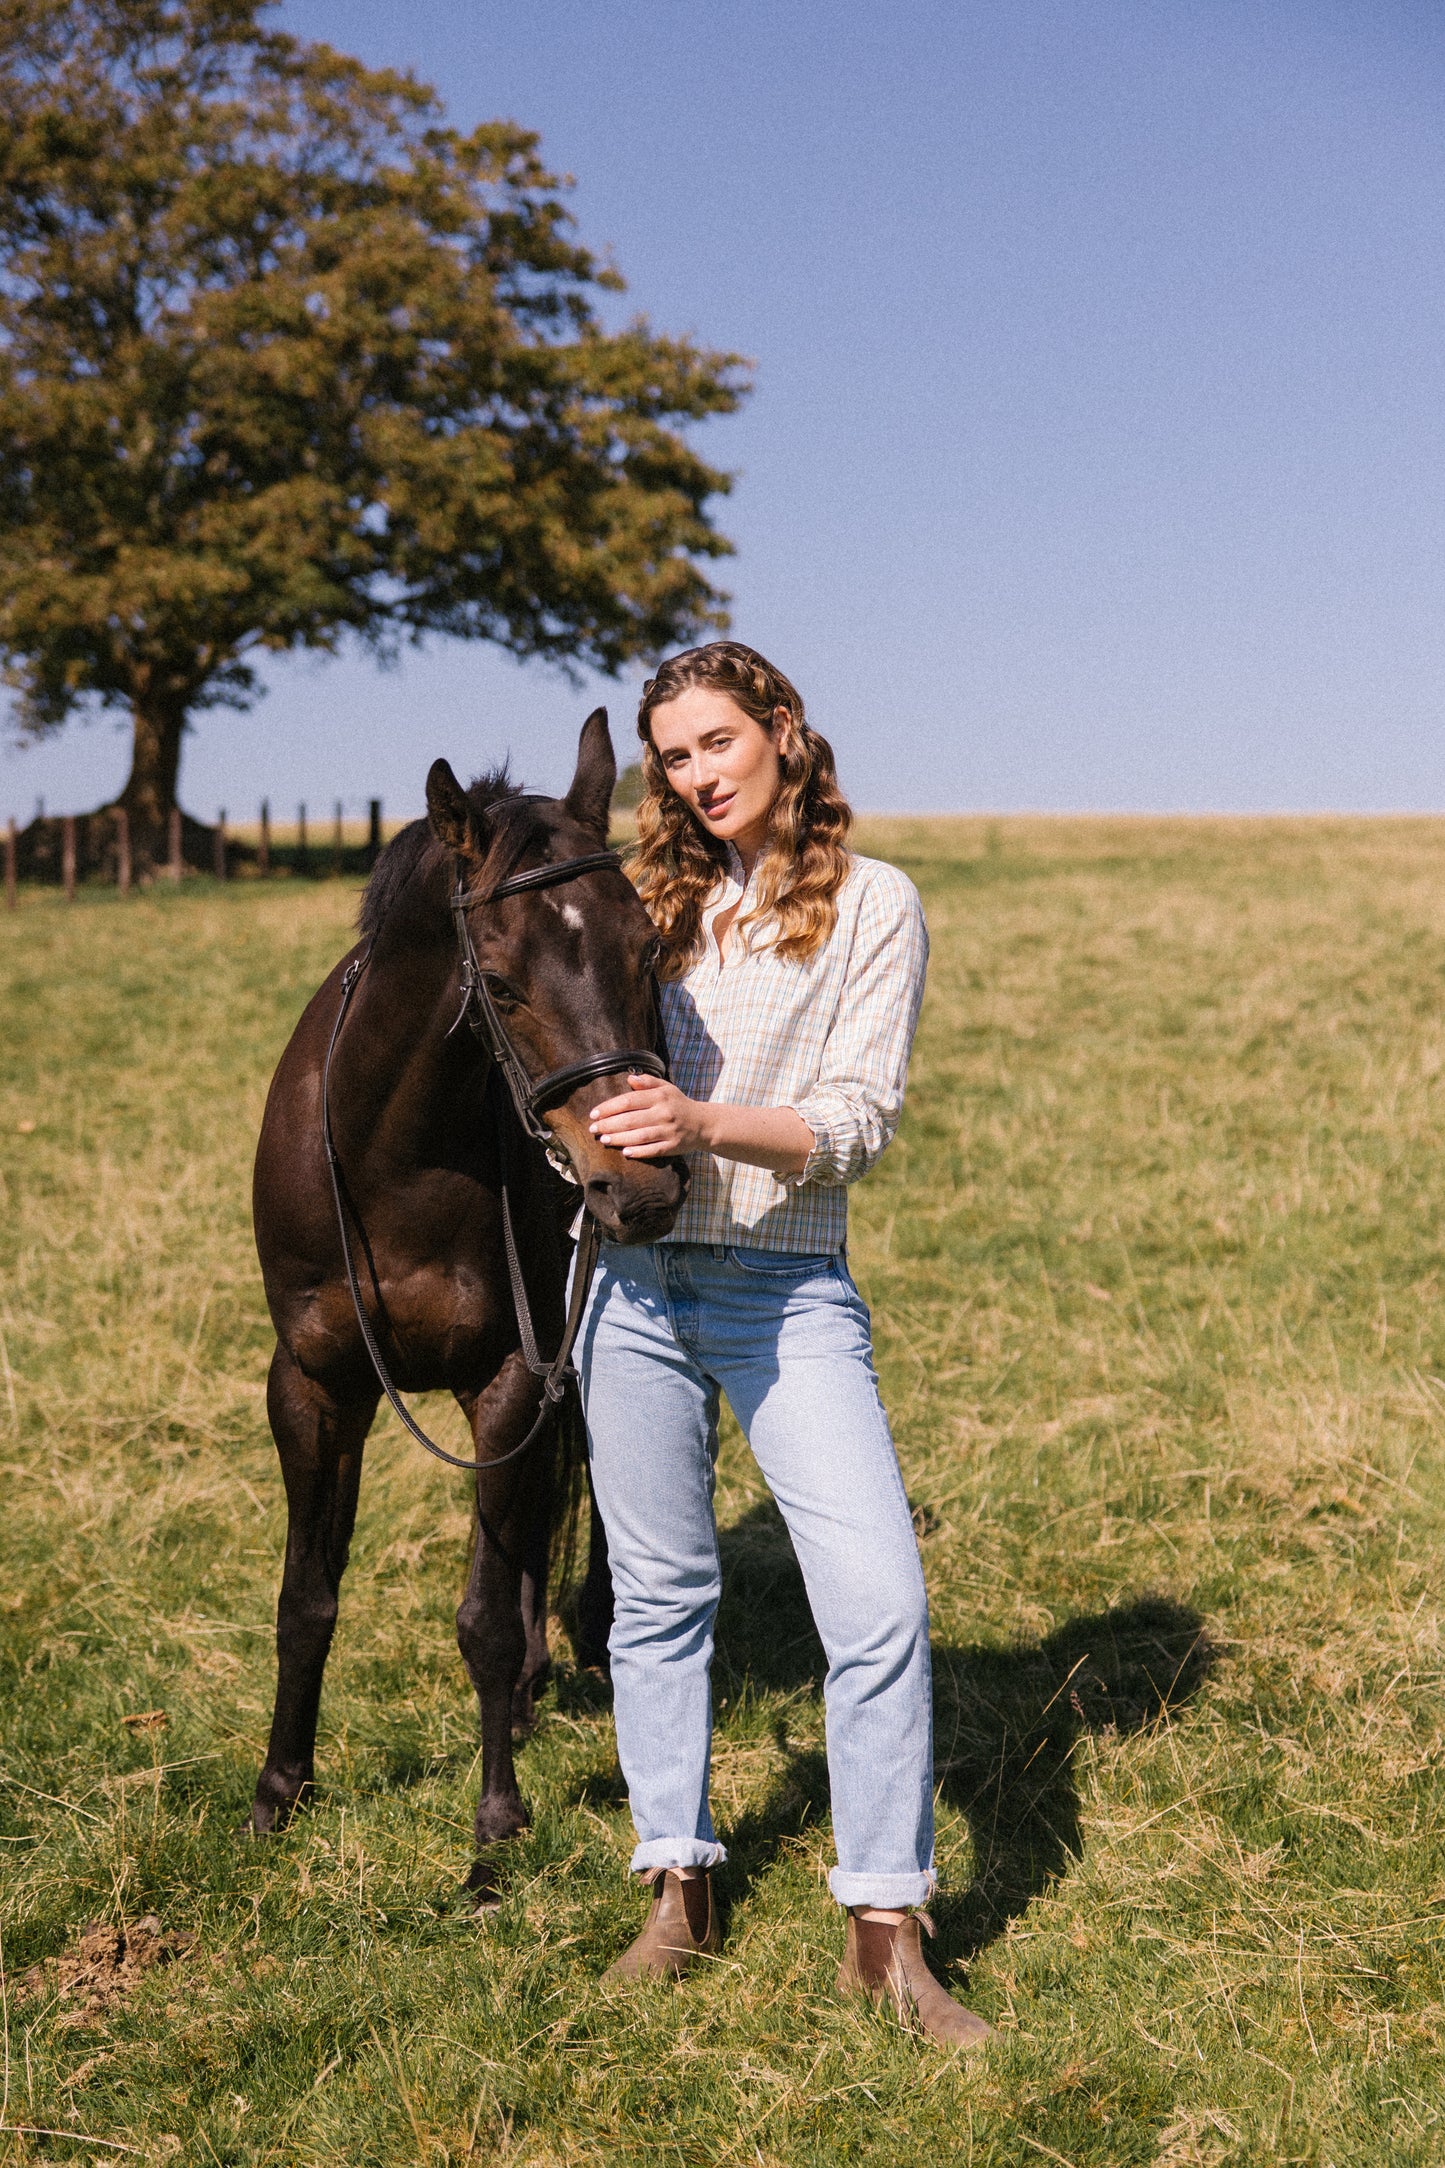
pixel 105 1966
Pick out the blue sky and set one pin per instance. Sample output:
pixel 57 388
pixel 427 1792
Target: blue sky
pixel 1095 457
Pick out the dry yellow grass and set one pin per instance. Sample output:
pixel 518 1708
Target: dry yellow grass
pixel 1155 1267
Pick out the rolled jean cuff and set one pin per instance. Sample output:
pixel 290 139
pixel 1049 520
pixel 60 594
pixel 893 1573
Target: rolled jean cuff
pixel 676 1852
pixel 893 1892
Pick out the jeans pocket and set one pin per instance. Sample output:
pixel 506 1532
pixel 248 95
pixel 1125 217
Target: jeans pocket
pixel 783 1264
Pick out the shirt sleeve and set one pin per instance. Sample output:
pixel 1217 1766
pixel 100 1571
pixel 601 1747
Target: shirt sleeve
pixel 854 1107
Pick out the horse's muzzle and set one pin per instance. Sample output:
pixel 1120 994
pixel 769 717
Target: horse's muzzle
pixel 638 1200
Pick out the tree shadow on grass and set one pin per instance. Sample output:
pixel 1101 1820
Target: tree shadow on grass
pixel 1006 1722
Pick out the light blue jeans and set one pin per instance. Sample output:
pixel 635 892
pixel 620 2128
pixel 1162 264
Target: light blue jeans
pixel 668 1329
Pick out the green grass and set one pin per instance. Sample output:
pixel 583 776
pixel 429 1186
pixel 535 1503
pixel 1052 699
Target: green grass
pixel 1156 1270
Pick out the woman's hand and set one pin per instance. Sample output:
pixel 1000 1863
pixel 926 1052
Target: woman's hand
pixel 651 1121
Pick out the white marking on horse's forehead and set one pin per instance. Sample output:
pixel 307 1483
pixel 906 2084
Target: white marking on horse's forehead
pixel 568 912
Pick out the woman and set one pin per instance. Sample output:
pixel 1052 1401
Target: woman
pixel 792 973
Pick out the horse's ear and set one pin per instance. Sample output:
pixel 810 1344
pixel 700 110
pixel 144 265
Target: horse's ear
pixel 448 811
pixel 589 800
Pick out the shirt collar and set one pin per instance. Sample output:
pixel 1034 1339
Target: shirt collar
pixel 731 885
pixel 730 888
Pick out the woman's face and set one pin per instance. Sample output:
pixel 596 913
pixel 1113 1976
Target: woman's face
pixel 723 765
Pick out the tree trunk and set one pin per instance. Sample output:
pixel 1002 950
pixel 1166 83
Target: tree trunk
pixel 148 797
pixel 150 789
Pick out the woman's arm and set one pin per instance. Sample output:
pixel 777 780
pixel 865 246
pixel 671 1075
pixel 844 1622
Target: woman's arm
pixel 853 1105
pixel 841 1124
pixel 654 1120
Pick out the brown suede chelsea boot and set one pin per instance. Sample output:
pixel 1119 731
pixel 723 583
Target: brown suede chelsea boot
pixel 681 1925
pixel 885 1962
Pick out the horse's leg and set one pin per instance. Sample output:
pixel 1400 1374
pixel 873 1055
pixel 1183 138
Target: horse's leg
pixel 320 1440
pixel 503 1609
pixel 594 1603
pixel 537 1661
pixel 535 1559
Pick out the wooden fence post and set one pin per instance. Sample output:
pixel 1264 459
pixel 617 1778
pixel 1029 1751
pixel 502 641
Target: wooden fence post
pixel 11 898
pixel 174 867
pixel 303 855
pixel 67 855
pixel 263 852
pixel 336 841
pixel 373 838
pixel 219 843
pixel 122 850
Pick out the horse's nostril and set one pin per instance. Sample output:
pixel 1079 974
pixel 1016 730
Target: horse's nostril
pixel 623 1202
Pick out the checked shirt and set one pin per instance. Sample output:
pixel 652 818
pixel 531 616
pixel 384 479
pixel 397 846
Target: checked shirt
pixel 829 1038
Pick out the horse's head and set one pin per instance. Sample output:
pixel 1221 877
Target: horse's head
pixel 567 968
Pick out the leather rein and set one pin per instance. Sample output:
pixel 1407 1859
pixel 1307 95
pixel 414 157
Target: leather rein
pixel 529 1098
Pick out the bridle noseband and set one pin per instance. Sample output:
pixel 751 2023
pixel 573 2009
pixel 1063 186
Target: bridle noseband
pixel 530 1100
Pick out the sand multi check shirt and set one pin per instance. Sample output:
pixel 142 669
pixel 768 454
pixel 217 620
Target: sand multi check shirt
pixel 829 1038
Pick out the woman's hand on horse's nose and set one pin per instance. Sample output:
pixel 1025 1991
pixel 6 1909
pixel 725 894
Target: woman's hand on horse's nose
pixel 653 1120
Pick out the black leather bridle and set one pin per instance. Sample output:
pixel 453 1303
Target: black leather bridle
pixel 531 1099
pixel 481 1012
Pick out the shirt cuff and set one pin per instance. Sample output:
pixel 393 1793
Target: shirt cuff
pixel 819 1161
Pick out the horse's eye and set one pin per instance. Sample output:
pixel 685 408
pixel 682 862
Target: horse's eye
pixel 504 995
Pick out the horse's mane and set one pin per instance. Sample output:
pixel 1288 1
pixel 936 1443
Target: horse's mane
pixel 415 853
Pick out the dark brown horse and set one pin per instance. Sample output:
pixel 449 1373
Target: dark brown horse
pixel 424 1132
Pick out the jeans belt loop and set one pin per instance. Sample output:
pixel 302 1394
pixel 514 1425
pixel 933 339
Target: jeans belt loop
pixel 719 1251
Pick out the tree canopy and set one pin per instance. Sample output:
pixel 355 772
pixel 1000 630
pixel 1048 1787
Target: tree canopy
pixel 284 358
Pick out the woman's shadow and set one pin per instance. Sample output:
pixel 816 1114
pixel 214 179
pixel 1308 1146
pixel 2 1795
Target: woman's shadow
pixel 1006 1723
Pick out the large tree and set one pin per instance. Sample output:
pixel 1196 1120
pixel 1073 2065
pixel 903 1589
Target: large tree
pixel 284 358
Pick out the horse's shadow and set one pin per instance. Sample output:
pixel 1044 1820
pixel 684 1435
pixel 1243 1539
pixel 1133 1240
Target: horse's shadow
pixel 1006 1723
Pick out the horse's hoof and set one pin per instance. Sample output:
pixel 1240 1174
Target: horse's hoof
pixel 484 1886
pixel 271 1811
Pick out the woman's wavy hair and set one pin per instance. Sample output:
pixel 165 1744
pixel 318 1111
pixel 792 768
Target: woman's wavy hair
pixel 805 861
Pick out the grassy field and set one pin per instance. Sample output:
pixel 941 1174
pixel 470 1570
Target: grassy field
pixel 1156 1273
